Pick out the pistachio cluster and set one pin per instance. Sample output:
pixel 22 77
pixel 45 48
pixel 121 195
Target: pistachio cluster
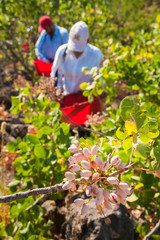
pixel 97 178
pixel 94 119
pixel 48 89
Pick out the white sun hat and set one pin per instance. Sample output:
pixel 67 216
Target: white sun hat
pixel 78 37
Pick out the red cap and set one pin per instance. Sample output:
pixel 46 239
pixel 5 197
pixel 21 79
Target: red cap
pixel 43 22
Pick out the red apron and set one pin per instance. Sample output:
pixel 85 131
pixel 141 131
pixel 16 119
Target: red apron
pixel 42 68
pixel 75 108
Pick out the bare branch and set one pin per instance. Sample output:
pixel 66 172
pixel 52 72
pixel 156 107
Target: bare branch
pixel 35 203
pixel 82 127
pixel 156 229
pixel 32 192
pixel 53 189
pixel 131 166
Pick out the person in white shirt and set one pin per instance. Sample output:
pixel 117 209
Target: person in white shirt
pixel 51 38
pixel 70 58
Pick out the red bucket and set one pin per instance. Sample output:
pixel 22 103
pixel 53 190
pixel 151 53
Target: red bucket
pixel 75 108
pixel 42 68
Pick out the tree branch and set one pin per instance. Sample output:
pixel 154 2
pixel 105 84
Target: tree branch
pixel 156 229
pixel 17 56
pixel 32 192
pixel 82 127
pixel 131 166
pixel 53 189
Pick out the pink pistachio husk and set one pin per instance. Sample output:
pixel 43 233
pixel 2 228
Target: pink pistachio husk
pixel 104 166
pixel 106 194
pixel 69 185
pixel 123 185
pixel 93 164
pixel 85 173
pixel 76 143
pixel 121 193
pixel 107 204
pixel 66 185
pixel 89 190
pixel 94 150
pixel 122 166
pixel 99 193
pixel 85 209
pixel 74 168
pixel 113 198
pixel 70 176
pixel 115 161
pixel 72 160
pixel 128 192
pixel 85 164
pixel 79 156
pixel 113 180
pixel 122 200
pixel 98 160
pixel 94 190
pixel 79 201
pixel 95 176
pixel 100 200
pixel 86 152
pixel 73 149
pixel 73 187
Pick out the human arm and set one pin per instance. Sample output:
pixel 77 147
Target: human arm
pixel 59 58
pixel 38 47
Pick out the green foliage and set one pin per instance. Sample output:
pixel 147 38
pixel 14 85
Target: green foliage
pixel 41 161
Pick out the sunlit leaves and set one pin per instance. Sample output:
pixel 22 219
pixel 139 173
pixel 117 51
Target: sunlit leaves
pixel 136 120
pixel 130 127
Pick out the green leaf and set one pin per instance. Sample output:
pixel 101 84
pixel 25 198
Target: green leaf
pixel 13 183
pixel 23 146
pixel 37 212
pixel 65 127
pixel 83 85
pixel 9 229
pixel 132 198
pixel 40 151
pixel 146 179
pixel 32 139
pixel 86 93
pixel 120 135
pixel 99 91
pixel 12 146
pixel 147 136
pixel 126 107
pixel 15 209
pixel 127 143
pixel 90 98
pixel 25 230
pixel 143 149
pixel 44 131
pixel 156 152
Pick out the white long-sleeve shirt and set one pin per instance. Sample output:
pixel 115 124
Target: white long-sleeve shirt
pixel 70 74
pixel 46 46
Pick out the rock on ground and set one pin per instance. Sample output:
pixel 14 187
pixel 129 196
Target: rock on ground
pixel 73 226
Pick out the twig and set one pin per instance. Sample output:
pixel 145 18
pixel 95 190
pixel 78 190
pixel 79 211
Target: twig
pixel 52 189
pixel 17 56
pixel 82 127
pixel 130 161
pixel 15 230
pixel 154 230
pixel 33 192
pixel 122 170
pixel 37 200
